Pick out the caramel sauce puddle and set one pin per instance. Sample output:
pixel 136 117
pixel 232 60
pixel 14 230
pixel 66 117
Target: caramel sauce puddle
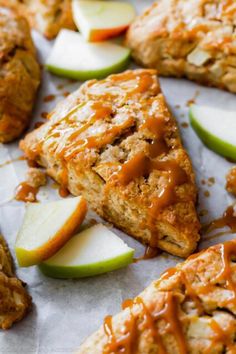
pixel 26 193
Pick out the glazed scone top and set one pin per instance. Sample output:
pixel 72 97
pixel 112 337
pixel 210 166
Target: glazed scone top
pixel 190 310
pixel 211 23
pixel 209 284
pixel 121 127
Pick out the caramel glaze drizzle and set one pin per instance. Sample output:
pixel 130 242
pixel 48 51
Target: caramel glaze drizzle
pixel 8 162
pixel 143 82
pixel 221 336
pixel 127 343
pixel 150 252
pixel 147 318
pixel 227 220
pixel 142 165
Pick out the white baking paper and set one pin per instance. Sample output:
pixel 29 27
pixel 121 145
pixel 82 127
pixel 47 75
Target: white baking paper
pixel 65 312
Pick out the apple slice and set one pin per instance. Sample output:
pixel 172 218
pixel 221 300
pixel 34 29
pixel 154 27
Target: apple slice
pixel 100 20
pixel 46 228
pixel 75 58
pixel 216 128
pixel 93 251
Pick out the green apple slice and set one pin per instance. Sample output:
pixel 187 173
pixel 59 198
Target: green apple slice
pixel 93 251
pixel 75 58
pixel 216 128
pixel 100 20
pixel 46 228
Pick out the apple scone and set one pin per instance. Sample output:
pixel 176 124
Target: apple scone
pixel 115 142
pixel 49 16
pixel 14 299
pixel 188 38
pixel 19 74
pixel 191 309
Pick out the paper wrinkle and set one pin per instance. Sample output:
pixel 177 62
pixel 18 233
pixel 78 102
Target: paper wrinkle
pixel 65 312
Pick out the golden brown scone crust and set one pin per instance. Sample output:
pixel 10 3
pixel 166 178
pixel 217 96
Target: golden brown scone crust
pixel 115 142
pixel 14 299
pixel 19 74
pixel 49 16
pixel 231 181
pixel 191 309
pixel 188 38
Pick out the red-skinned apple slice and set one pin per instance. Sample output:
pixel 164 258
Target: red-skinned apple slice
pixel 100 20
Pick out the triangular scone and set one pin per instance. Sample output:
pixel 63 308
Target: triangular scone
pixel 116 142
pixel 191 309
pixel 191 38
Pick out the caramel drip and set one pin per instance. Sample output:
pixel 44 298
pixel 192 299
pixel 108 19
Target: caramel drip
pixel 157 148
pixel 63 192
pixel 155 125
pixel 8 162
pixel 98 141
pixel 221 336
pixel 168 273
pixel 149 322
pixel 32 163
pixel 170 314
pixel 227 220
pixel 189 290
pixel 109 332
pixel 191 293
pixel 227 250
pixel 141 165
pixel 167 196
pixel 126 344
pixel 136 167
pixel 98 112
pixel 26 193
pixel 150 252
pixel 144 81
pixel 75 144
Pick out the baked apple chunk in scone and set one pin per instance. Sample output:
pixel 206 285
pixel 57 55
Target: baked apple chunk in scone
pixel 115 142
pixel 191 38
pixel 191 309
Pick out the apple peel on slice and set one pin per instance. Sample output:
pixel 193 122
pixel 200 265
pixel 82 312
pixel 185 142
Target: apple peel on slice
pixel 100 20
pixel 46 228
pixel 93 251
pixel 73 57
pixel 216 128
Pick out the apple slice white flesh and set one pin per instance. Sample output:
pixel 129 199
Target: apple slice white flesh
pixel 100 20
pixel 46 228
pixel 216 128
pixel 73 57
pixel 93 251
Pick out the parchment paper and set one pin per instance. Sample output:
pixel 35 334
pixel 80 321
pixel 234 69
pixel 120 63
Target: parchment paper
pixel 65 312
